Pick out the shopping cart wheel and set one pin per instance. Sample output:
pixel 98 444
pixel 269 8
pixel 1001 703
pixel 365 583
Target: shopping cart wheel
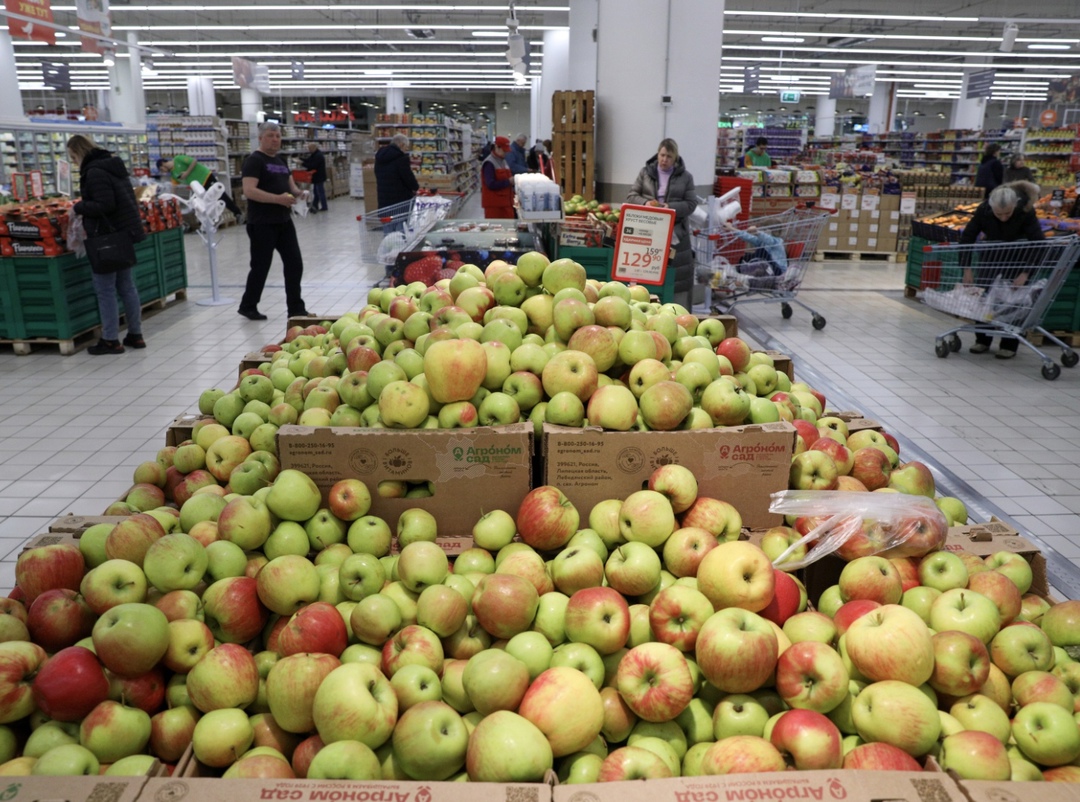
pixel 954 343
pixel 1069 358
pixel 818 322
pixel 1050 371
pixel 785 310
pixel 941 348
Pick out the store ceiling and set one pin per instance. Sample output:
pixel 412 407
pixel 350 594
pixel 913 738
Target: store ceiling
pixel 360 47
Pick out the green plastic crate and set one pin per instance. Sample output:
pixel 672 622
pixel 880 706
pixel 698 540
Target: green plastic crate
pixel 1064 312
pixel 596 261
pixel 913 277
pixel 173 260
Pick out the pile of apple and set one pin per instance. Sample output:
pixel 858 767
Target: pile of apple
pixel 638 639
pixel 577 205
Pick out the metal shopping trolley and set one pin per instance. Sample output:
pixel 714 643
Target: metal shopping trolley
pixel 385 232
pixel 759 261
pixel 1002 288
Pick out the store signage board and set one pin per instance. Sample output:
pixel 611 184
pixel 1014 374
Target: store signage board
pixel 980 83
pixel 790 96
pixel 642 243
pixel 94 18
pixel 751 79
pixel 35 12
pixel 20 186
pixel 37 186
pixel 907 202
pixel 63 177
pixel 854 82
pixel 297 70
pixel 56 75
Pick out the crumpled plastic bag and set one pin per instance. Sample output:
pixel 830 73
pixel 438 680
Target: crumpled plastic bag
pixel 856 524
pixel 963 300
pixel 75 234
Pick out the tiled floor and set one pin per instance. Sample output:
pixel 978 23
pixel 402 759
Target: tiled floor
pixel 73 428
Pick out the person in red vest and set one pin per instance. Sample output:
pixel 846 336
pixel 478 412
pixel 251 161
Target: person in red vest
pixel 496 185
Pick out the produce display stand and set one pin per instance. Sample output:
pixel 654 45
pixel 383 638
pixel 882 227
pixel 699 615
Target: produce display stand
pixel 51 300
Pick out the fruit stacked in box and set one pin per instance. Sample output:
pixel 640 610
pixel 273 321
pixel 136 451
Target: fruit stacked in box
pixel 39 228
pixel 236 610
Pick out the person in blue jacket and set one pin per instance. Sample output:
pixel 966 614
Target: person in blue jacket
pixel 516 157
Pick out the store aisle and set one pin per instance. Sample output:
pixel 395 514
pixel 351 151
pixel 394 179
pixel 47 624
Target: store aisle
pixel 73 428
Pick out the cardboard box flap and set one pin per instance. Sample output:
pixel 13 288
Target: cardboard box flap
pixel 990 791
pixel 740 464
pixel 451 460
pixel 849 785
pixel 984 539
pixel 76 524
pixel 74 789
pixel 215 789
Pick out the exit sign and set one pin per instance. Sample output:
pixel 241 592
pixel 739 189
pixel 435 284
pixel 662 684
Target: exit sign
pixel 789 96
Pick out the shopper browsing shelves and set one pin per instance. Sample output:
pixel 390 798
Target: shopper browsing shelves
pixel 757 156
pixel 316 162
pixel 183 169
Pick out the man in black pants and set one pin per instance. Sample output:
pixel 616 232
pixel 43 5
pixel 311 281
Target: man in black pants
pixel 271 193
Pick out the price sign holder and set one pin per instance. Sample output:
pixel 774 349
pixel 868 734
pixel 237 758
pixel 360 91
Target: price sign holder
pixel 20 189
pixel 642 244
pixel 37 186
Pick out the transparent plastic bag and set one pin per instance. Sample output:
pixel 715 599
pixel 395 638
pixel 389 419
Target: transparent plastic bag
pixel 75 235
pixel 856 524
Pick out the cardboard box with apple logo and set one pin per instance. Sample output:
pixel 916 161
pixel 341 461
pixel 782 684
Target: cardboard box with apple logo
pixel 743 465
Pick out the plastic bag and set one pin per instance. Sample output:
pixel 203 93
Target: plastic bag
pixel 1010 304
pixel 75 234
pixel 855 524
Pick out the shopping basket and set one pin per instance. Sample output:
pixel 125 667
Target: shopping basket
pixel 1002 288
pixel 759 261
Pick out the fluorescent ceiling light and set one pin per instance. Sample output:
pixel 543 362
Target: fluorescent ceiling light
pixel 375 72
pixel 492 34
pixel 819 15
pixel 783 39
pixel 186 8
pixel 1037 46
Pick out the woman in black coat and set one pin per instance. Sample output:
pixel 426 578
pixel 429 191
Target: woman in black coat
pixel 991 173
pixel 108 204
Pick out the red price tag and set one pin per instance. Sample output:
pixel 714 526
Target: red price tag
pixel 642 244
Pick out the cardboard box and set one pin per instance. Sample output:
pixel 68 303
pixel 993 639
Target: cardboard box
pixel 308 320
pixel 850 785
pixel 783 363
pixel 741 464
pixel 76 789
pixel 867 243
pixel 252 361
pixel 990 791
pixel 868 228
pixel 180 429
pixel 208 788
pixel 851 243
pixel 76 524
pixel 989 538
pixel 51 539
pixel 731 324
pixel 473 470
pixel 832 243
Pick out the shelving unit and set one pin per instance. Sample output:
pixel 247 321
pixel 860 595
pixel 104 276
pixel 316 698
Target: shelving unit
pixel 24 148
pixel 441 149
pixel 203 138
pixel 1054 153
pixel 728 148
pixel 784 143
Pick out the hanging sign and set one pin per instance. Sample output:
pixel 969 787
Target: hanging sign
pixel 56 75
pixel 63 177
pixel 37 11
pixel 20 186
pixel 296 69
pixel 1048 118
pixel 94 17
pixel 980 84
pixel 642 243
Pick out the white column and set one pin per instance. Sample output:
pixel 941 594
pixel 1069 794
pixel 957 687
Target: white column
pixel 200 94
pixel 584 19
pixel 968 112
pixel 649 49
pixel 880 115
pixel 395 100
pixel 11 105
pixel 250 106
pixel 554 77
pixel 138 95
pixel 825 117
pixel 121 94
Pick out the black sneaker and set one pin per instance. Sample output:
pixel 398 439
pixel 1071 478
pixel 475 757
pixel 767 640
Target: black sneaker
pixel 134 341
pixel 106 347
pixel 252 314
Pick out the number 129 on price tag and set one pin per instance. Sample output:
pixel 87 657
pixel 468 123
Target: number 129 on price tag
pixel 642 244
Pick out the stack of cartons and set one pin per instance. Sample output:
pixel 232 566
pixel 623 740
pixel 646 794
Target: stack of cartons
pixel 864 222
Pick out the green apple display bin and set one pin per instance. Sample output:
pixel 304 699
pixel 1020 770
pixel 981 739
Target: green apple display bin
pixel 53 297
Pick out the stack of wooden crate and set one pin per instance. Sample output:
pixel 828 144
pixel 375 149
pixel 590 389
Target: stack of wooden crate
pixel 573 140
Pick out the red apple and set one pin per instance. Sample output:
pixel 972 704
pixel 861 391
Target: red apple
pixel 70 684
pixel 316 627
pixel 37 570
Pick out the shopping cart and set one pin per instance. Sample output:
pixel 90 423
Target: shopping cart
pixel 759 261
pixel 1002 288
pixel 385 232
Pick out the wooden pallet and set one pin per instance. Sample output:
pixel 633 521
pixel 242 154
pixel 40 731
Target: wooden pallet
pixel 85 338
pixel 572 155
pixel 573 112
pixel 856 256
pixel 1070 338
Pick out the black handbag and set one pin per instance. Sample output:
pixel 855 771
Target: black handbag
pixel 111 252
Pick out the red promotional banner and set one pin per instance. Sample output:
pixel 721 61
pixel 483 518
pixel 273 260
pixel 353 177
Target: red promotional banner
pixel 93 16
pixel 35 11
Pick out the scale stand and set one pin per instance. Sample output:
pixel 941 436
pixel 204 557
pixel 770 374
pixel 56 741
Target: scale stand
pixel 208 234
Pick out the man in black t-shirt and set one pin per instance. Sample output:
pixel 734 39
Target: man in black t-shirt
pixel 271 193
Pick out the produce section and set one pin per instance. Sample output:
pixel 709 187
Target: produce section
pixel 354 593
